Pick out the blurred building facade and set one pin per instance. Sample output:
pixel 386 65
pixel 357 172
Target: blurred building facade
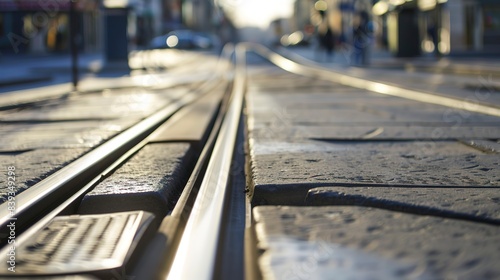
pixel 145 19
pixel 197 14
pixel 32 26
pixel 341 16
pixel 454 27
pixel 42 26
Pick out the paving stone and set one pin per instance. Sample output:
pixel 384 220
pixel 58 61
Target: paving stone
pixel 467 203
pixel 488 146
pixel 283 169
pixel 151 180
pixel 92 106
pixel 359 107
pixel 19 137
pixel 385 131
pixel 350 242
pixel 33 166
pixel 191 123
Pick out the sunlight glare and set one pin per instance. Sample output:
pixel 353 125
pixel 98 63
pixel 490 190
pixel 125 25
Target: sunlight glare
pixel 172 41
pixel 258 13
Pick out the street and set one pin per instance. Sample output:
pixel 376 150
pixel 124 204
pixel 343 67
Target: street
pixel 331 177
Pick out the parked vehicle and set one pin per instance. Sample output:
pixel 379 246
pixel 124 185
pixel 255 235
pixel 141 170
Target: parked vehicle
pixel 183 39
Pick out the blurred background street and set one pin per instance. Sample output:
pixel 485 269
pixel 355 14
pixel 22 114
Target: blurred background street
pixel 36 36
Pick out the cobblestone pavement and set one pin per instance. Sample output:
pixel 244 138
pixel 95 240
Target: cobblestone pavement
pixel 41 137
pixel 344 183
pixel 349 184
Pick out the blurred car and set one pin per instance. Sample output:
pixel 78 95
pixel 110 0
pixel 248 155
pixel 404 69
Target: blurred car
pixel 297 38
pixel 183 39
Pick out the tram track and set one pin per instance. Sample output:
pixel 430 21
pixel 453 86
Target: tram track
pixel 185 244
pixel 60 192
pixel 297 65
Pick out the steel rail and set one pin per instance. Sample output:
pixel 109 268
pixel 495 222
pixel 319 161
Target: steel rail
pixel 45 196
pixel 378 87
pixel 196 256
pixel 157 261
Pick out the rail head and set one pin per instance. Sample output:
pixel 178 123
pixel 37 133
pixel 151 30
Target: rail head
pixel 198 246
pixel 34 202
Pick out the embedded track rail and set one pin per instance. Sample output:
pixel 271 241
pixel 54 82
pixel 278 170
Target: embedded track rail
pixel 37 207
pixel 186 244
pixel 68 181
pixel 305 68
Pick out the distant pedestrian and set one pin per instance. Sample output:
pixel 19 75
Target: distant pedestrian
pixel 362 36
pixel 326 40
pixel 329 43
pixel 432 34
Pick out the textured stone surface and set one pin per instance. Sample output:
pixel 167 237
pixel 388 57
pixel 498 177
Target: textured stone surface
pixel 349 242
pixel 33 166
pixel 40 139
pixel 359 107
pixel 91 106
pixel 384 131
pixel 387 163
pixel 477 80
pixel 488 146
pixel 192 122
pixel 18 137
pixel 356 148
pixel 471 203
pixel 151 181
pixel 324 134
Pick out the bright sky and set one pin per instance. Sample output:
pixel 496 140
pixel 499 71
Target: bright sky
pixel 257 13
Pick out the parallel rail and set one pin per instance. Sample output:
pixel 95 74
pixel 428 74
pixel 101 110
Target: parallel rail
pixel 191 247
pixel 62 187
pixel 198 246
pixel 379 87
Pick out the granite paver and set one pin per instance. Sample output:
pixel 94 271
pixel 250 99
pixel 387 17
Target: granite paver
pixel 295 167
pixel 300 140
pixel 108 104
pixel 40 139
pixel 29 136
pixel 34 165
pixel 388 188
pixel 350 242
pixel 376 132
pixel 151 180
pixel 476 204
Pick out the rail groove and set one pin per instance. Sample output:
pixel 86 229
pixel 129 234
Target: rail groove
pixel 42 198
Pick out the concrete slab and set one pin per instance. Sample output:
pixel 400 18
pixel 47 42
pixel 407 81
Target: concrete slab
pixel 349 242
pixel 33 166
pixel 476 204
pixel 151 180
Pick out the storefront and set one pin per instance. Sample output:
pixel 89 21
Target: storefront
pixel 491 25
pixel 441 27
pixel 31 26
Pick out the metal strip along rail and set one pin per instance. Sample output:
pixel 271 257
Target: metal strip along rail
pixel 43 201
pixel 157 260
pixel 197 253
pixel 378 87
